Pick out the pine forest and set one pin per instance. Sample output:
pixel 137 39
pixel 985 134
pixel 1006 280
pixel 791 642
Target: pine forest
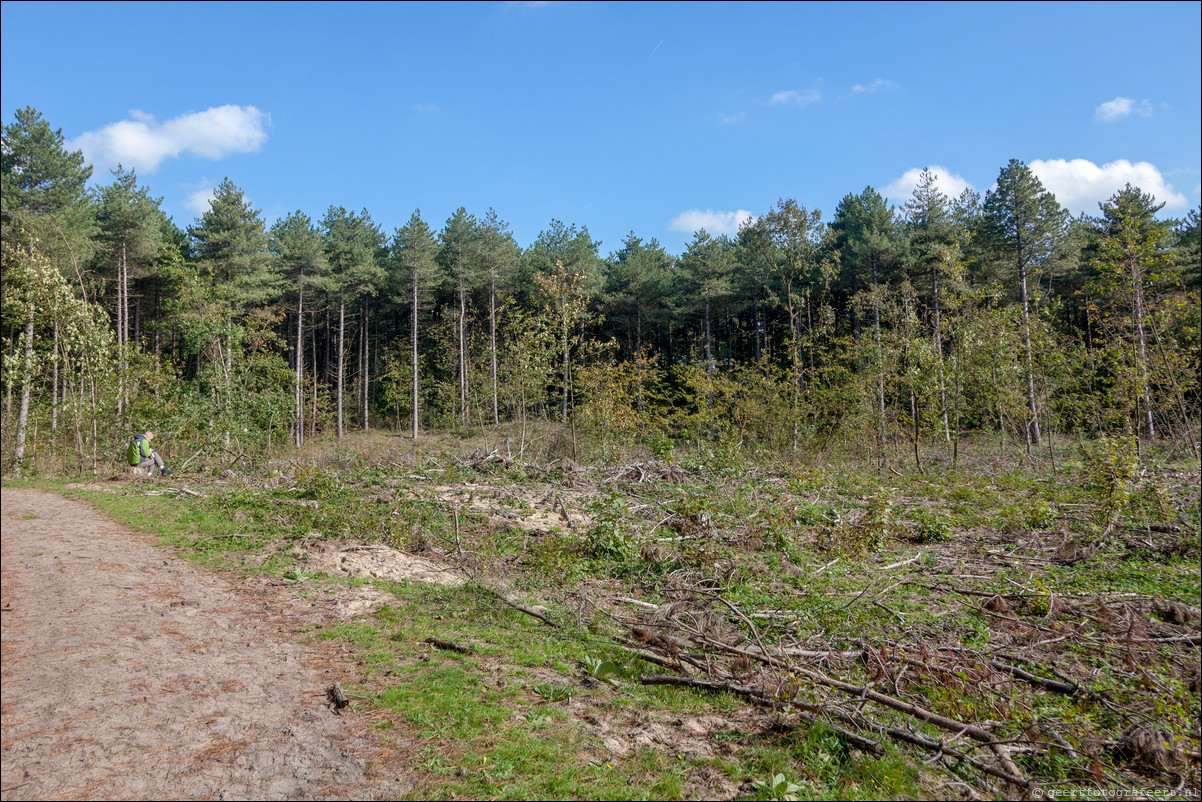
pixel 879 501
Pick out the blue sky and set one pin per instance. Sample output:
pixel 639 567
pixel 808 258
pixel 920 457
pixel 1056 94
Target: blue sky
pixel 645 117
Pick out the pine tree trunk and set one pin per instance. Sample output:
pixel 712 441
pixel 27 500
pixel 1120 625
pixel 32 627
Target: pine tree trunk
pixel 413 353
pixel 463 413
pixel 1032 428
pixel 313 379
pixel 299 435
pixel 709 354
pixel 492 345
pixel 363 363
pixel 563 309
pixel 880 374
pixel 795 351
pixel 938 345
pixel 1141 338
pixel 341 355
pixel 122 314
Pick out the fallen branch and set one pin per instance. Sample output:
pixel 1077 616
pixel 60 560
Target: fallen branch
pixel 447 645
pixel 759 697
pixel 530 611
pixel 900 563
pixel 636 603
pixel 651 657
pixel 1068 689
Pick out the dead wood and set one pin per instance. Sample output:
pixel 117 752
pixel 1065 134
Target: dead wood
pixel 337 697
pixel 1151 747
pixel 671 663
pixel 1174 612
pixel 503 595
pixel 1011 774
pixel 759 697
pixel 1066 688
pixel 449 646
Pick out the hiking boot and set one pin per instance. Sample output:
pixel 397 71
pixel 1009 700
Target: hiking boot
pixel 166 471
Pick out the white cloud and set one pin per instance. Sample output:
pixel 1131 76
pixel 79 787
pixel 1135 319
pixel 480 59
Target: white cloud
pixel 1080 185
pixel 878 84
pixel 946 182
pixel 732 119
pixel 716 223
pixel 143 143
pixel 199 200
pixel 427 108
pixel 1122 107
pixel 791 98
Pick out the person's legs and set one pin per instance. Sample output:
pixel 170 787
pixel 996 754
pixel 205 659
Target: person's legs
pixel 157 460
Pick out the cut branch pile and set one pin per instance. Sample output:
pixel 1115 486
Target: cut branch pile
pixel 910 693
pixel 640 472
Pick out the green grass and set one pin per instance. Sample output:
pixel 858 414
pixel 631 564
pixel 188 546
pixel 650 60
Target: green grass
pixel 510 720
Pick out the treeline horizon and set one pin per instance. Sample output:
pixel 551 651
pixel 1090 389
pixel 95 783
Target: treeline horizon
pixel 881 327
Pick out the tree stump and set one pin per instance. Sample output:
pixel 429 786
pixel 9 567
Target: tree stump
pixel 142 473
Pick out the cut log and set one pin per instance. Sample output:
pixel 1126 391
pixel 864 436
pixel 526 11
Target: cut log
pixel 449 646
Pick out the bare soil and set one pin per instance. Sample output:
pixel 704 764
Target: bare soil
pixel 130 673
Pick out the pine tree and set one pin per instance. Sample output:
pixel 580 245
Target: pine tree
pixel 497 257
pixel 231 248
pixel 353 249
pixel 1132 252
pixel 871 253
pixel 1024 228
pixel 705 270
pixel 296 243
pixel 932 236
pixel 635 292
pixel 131 238
pixel 799 237
pixel 456 256
pixel 412 254
pixel 566 270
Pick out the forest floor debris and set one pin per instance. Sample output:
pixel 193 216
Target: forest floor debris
pixel 867 635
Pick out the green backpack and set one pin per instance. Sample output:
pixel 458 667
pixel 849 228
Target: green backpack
pixel 138 450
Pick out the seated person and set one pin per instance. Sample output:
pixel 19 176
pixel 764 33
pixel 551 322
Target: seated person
pixel 141 456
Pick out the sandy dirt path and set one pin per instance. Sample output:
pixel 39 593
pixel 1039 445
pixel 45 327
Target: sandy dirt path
pixel 129 673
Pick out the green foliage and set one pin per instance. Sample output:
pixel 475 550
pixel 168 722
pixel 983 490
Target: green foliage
pixel 891 333
pixel 778 787
pixel 610 536
pixel 928 526
pixel 1112 465
pixel 602 670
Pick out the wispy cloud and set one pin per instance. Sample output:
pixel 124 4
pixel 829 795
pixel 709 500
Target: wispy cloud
pixel 733 119
pixel 427 108
pixel 1080 185
pixel 946 182
pixel 143 143
pixel 199 199
pixel 876 86
pixel 790 97
pixel 713 222
pixel 1122 107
